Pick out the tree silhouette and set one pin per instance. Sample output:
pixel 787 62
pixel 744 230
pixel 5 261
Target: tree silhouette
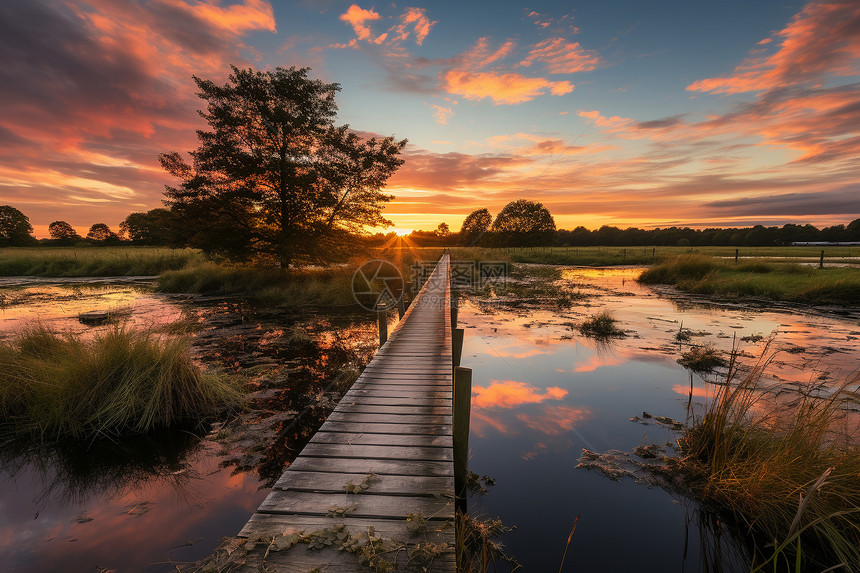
pixel 474 226
pixel 102 233
pixel 274 178
pixel 524 223
pixel 63 232
pixel 15 228
pixel 154 227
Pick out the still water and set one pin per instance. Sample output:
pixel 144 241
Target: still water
pixel 542 392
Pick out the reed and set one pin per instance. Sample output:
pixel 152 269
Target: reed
pixel 94 261
pixel 57 386
pixel 786 473
pixel 601 325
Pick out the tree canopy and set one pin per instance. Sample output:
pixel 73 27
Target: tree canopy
pixel 15 227
pixel 154 227
pixel 474 226
pixel 102 233
pixel 524 222
pixel 274 177
pixel 63 233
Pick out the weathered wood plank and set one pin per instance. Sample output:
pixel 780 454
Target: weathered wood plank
pixel 381 439
pixel 382 467
pixel 390 418
pixel 394 529
pixel 379 484
pixel 360 505
pixel 389 409
pixel 384 428
pixel 385 400
pixel 379 452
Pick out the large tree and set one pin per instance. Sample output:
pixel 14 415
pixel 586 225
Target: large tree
pixel 274 177
pixel 15 227
pixel 154 227
pixel 524 223
pixel 101 232
pixel 474 226
pixel 63 233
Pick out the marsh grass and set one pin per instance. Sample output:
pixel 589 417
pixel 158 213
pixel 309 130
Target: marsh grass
pixel 786 473
pixel 94 261
pixel 702 358
pixel 601 325
pixel 58 386
pixel 758 279
pixel 477 547
pixel 329 286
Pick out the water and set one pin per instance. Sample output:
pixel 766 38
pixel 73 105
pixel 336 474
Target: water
pixel 542 392
pixel 149 502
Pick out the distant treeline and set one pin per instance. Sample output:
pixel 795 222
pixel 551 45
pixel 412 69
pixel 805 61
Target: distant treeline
pixel 758 236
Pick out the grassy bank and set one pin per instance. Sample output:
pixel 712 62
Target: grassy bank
pixel 776 281
pixel 306 287
pixel 94 261
pixel 787 475
pixel 609 256
pixel 59 386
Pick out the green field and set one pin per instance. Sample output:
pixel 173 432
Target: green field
pixel 94 261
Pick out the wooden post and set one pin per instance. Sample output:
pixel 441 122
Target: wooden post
pixel 382 323
pixel 456 346
pixel 401 308
pixel 653 254
pixel 821 261
pixel 462 412
pixel 454 310
pixel 736 255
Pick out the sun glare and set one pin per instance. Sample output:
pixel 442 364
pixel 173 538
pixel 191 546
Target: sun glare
pixel 402 232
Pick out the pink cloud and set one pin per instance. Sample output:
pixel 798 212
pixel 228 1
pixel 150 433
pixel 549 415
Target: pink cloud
pixel 442 114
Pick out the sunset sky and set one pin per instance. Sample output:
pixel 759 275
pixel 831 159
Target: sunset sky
pixel 621 112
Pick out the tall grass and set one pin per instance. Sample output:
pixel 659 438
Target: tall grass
pixel 330 286
pixel 789 475
pixel 776 281
pixel 94 261
pixel 122 381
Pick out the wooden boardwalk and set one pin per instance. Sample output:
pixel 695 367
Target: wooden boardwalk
pixel 390 437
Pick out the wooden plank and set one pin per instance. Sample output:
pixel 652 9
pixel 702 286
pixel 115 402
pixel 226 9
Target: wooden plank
pixel 389 409
pixel 360 505
pixel 390 418
pixel 382 467
pixel 391 392
pixel 394 529
pixel 383 400
pixel 300 559
pixel 381 439
pixel 383 428
pixel 379 484
pixel 379 451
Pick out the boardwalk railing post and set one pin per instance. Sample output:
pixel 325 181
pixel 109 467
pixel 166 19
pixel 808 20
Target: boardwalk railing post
pixel 454 309
pixel 462 412
pixel 821 260
pixel 456 346
pixel 401 308
pixel 382 323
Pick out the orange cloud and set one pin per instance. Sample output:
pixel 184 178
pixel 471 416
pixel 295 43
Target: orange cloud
pixel 236 19
pixel 562 57
pixel 442 114
pixel 356 17
pixel 821 39
pixel 511 394
pixel 501 88
pixel 421 24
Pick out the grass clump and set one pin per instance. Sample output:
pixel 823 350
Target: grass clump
pixel 702 359
pixel 94 261
pixel 758 279
pixel 786 474
pixel 601 325
pixel 120 382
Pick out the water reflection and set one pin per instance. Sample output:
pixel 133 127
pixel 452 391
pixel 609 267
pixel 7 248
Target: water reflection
pixel 542 392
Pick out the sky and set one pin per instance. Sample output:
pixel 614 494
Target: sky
pixel 620 112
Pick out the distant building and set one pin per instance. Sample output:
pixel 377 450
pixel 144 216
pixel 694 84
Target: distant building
pixel 826 243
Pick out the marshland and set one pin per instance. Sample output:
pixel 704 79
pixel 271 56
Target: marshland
pixel 601 395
